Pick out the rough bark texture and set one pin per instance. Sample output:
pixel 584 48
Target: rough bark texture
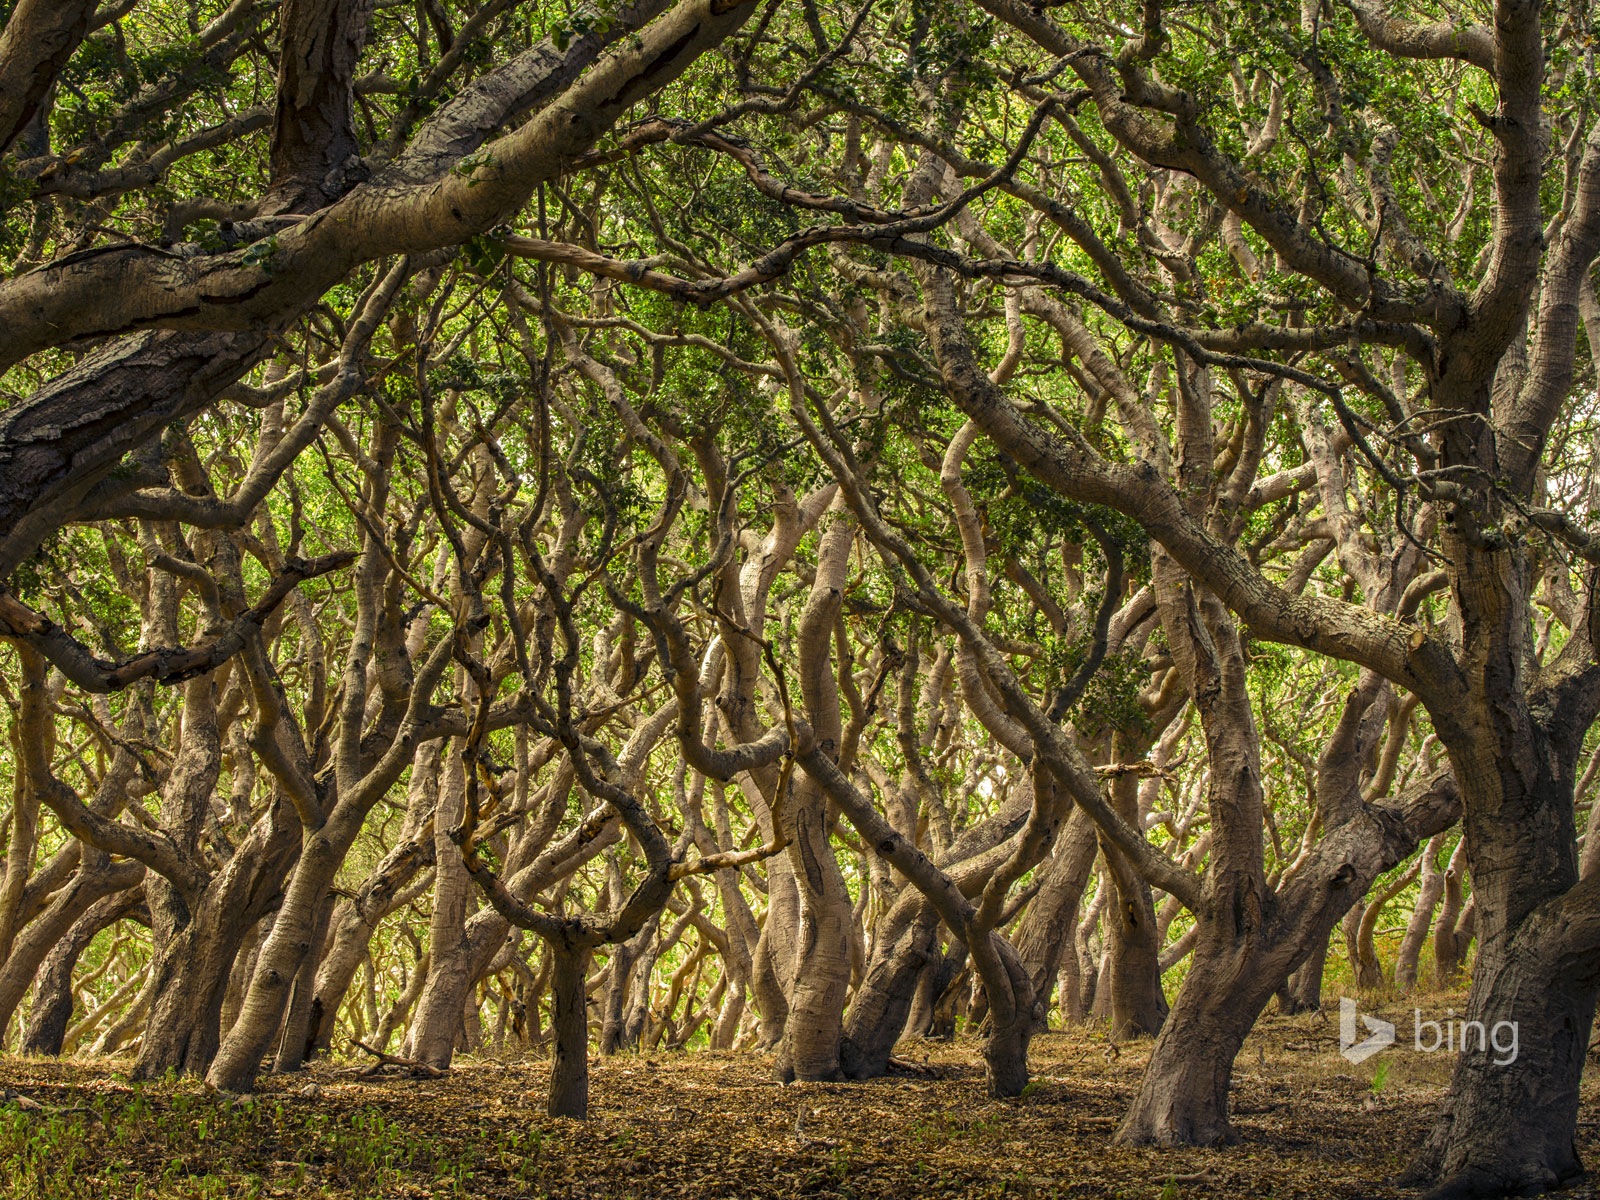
pixel 907 942
pixel 38 39
pixel 569 1069
pixel 313 133
pixel 1046 937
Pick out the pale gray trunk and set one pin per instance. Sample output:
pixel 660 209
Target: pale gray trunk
pixel 437 1025
pixel 388 888
pixel 398 1011
pixel 819 977
pixel 821 974
pixel 299 1017
pixel 1429 890
pixel 1453 930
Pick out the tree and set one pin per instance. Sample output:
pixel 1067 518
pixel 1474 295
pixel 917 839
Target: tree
pixel 899 462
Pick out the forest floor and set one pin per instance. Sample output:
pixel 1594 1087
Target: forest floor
pixel 708 1125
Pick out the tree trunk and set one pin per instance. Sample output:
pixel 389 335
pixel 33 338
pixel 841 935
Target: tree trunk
pixel 906 944
pixel 569 1070
pixel 1508 1124
pixel 1045 939
pixel 190 975
pixel 238 1060
pixel 821 977
pixel 437 1024
pixel 1429 890
pixel 1369 970
pixel 619 985
pixel 725 1029
pixel 1084 1000
pixel 1509 1121
pixel 402 1004
pixel 929 1015
pixel 300 1017
pixel 354 922
pixel 190 979
pixel 1452 931
pixel 389 887
pixel 1183 1097
pixel 1005 1052
pixel 1133 998
pixel 1302 992
pixel 637 1016
pixel 244 964
pixel 95 879
pixel 23 835
pixel 52 994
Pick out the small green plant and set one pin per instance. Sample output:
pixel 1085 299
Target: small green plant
pixel 1380 1077
pixel 260 254
pixel 839 1163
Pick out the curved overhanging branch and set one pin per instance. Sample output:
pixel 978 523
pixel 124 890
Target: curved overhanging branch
pixel 1406 655
pixel 1472 44
pixel 116 289
pixel 166 665
pixel 59 443
pixel 38 39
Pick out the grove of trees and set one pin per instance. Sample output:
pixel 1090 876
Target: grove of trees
pixel 784 525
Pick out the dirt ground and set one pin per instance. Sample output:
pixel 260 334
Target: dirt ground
pixel 705 1126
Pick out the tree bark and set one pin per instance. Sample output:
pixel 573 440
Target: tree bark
pixel 569 1069
pixel 313 135
pixel 52 993
pixel 1510 1126
pixel 819 977
pixel 96 879
pixel 437 1025
pixel 1046 937
pixel 1183 1098
pixel 296 1038
pixel 354 923
pixel 1430 888
pixel 906 945
pixel 39 37
pixel 1450 939
pixel 1302 992
pixel 821 971
pixel 191 973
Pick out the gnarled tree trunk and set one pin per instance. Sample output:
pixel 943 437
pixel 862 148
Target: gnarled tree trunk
pixel 906 944
pixel 52 994
pixel 1046 938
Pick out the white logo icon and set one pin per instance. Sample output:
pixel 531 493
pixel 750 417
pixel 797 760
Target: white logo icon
pixel 1357 1052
